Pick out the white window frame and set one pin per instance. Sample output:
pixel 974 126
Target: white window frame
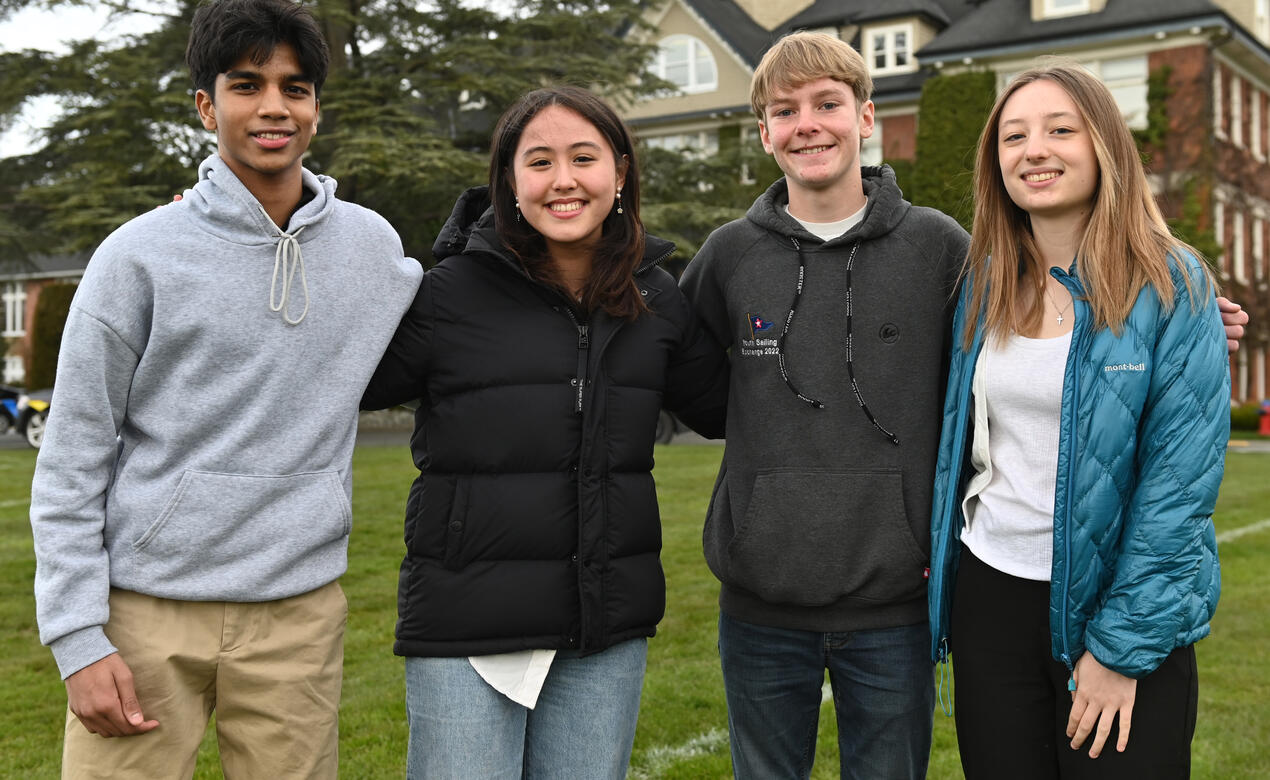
pixel 1236 110
pixel 749 140
pixel 1258 244
pixel 1259 374
pixel 1218 103
pixel 1241 376
pixel 1219 222
pixel 1254 123
pixel 14 370
pixel 14 297
pixel 1057 8
pixel 697 50
pixel 1238 262
pixel 871 149
pixel 889 49
pixel 1135 72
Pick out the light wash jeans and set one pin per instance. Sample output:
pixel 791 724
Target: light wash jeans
pixel 582 727
pixel 883 693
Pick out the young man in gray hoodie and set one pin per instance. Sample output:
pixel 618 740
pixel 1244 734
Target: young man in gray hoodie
pixel 191 502
pixel 835 296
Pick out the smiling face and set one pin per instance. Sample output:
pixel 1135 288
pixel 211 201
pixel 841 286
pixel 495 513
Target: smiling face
pixel 1046 152
pixel 566 177
pixel 814 132
pixel 264 117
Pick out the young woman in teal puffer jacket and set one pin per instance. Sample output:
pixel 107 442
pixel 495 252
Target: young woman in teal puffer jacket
pixel 1074 562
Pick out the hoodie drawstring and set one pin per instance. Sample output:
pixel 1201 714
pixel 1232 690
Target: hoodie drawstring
pixel 789 319
pixel 780 345
pixel 288 259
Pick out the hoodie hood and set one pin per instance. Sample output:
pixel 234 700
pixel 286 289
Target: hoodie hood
pixel 228 209
pixel 886 208
pixel 224 206
pixel 470 228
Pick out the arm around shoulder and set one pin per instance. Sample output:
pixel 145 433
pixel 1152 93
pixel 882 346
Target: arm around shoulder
pixel 697 377
pixel 403 369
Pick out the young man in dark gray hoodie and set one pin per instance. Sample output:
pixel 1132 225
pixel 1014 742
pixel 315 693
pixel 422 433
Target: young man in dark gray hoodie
pixel 835 296
pixel 190 506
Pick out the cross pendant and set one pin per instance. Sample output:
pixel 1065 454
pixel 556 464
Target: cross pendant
pixel 1060 319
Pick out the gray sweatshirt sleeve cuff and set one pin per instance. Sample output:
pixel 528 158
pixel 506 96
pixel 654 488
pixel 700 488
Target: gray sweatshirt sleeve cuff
pixel 80 648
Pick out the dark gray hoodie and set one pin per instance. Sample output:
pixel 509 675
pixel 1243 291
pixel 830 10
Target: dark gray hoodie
pixel 820 516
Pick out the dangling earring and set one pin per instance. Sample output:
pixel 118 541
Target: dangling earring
pixel 619 201
pixel 518 209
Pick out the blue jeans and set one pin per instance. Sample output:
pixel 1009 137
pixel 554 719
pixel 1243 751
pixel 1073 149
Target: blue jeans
pixel 883 693
pixel 582 727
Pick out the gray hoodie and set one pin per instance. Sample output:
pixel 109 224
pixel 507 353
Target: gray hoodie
pixel 199 440
pixel 820 516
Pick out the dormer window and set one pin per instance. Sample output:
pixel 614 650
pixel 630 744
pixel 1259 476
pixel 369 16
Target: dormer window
pixel 687 63
pixel 890 49
pixel 1055 8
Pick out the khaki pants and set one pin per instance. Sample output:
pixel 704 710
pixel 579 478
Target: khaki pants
pixel 270 670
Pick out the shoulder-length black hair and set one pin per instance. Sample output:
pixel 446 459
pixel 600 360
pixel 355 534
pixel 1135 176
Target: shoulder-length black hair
pixel 611 285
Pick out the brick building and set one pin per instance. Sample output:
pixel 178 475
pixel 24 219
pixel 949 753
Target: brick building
pixel 1210 56
pixel 20 285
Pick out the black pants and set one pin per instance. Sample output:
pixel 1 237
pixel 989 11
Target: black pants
pixel 1012 701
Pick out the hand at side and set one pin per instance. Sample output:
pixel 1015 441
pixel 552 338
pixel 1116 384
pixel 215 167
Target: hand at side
pixel 103 698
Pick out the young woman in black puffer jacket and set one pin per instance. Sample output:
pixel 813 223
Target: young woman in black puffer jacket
pixel 541 348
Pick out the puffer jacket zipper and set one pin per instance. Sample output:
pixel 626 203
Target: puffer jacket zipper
pixel 1072 376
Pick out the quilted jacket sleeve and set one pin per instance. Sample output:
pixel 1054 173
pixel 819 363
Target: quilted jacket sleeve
pixel 1167 579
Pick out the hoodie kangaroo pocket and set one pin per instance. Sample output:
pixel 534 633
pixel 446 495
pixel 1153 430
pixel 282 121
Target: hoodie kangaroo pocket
pixel 810 538
pixel 219 521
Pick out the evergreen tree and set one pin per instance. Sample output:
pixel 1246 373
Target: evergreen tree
pixel 407 110
pixel 950 116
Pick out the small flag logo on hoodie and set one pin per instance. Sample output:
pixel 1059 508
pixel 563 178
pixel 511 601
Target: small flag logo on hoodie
pixel 758 324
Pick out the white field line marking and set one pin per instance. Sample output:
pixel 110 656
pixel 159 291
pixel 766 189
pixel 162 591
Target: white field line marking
pixel 1235 533
pixel 14 502
pixel 660 759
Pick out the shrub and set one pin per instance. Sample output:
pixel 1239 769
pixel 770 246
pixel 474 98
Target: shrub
pixel 47 322
pixel 1245 417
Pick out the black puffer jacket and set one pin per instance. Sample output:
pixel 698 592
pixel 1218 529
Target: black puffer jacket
pixel 533 524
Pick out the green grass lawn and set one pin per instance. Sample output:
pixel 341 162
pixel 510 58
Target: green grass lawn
pixel 683 727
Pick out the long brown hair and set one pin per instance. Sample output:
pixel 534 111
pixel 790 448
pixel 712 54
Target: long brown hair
pixel 611 284
pixel 1126 244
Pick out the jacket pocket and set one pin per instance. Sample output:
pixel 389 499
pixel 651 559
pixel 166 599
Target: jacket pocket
pixel 810 538
pixel 217 519
pixel 437 518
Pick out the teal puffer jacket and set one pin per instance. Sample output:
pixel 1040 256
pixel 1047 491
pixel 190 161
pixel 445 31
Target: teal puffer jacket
pixel 1142 442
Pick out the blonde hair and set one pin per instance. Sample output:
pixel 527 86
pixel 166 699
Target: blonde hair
pixel 802 57
pixel 1126 244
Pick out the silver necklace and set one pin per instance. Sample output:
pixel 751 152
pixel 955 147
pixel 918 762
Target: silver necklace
pixel 1054 303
